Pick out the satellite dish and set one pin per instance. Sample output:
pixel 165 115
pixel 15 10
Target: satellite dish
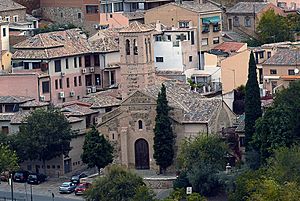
pixel 296 70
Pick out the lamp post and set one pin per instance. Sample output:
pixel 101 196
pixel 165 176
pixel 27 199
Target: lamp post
pixel 11 186
pixel 31 198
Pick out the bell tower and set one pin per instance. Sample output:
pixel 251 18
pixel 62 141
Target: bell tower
pixel 137 58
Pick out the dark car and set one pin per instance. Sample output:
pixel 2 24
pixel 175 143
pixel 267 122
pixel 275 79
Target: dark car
pixel 79 190
pixel 21 176
pixel 67 187
pixel 35 178
pixel 76 178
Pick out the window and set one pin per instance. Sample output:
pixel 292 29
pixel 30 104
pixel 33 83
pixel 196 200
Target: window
pixel 4 32
pixel 106 8
pixel 269 54
pixel 247 22
pixel 273 71
pixel 91 9
pixel 135 47
pixel 242 141
pixel 67 63
pixel 140 124
pixel 48 166
pixel 87 61
pixel 79 81
pixel 190 58
pixel 127 47
pixel 26 65
pixel 261 55
pixel 5 130
pixel 204 41
pixel 75 62
pixel 61 15
pixel 236 21
pixel 159 59
pixel 97 79
pixel 16 18
pixel 53 166
pixel 7 18
pixel 192 38
pixel 158 38
pixel 57 64
pixel 216 27
pixel 184 24
pixel 216 40
pixel 79 15
pixel 58 166
pixel 75 81
pixel 45 87
pixel 96 60
pixel 68 82
pixel 169 37
pixel 79 61
pixel 113 136
pixel 118 7
pixel 36 65
pixel 205 28
pixel 56 84
pixel 291 72
pixel 60 84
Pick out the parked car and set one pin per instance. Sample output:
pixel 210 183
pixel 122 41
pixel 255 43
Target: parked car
pixel 21 176
pixel 67 187
pixel 35 178
pixel 4 176
pixel 79 190
pixel 76 178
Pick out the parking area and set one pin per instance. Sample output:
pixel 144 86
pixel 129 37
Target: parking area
pixel 44 189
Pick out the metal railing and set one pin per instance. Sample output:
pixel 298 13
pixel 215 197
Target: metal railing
pixel 9 199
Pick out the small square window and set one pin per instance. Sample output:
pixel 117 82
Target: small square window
pixel 273 71
pixel 291 72
pixel 190 58
pixel 204 41
pixel 79 15
pixel 48 166
pixel 53 166
pixel 216 40
pixel 269 54
pixel 159 59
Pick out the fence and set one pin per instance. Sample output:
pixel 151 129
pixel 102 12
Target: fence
pixel 9 199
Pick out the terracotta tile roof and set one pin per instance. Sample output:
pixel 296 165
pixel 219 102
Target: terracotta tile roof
pixel 53 45
pixel 196 108
pixel 77 110
pixel 6 116
pixel 74 119
pixel 196 7
pixel 34 103
pixel 290 77
pixel 247 7
pixel 137 27
pixel 285 57
pixel 20 117
pixel 9 5
pixel 101 100
pixel 134 15
pixel 229 47
pixel 14 99
pixel 107 44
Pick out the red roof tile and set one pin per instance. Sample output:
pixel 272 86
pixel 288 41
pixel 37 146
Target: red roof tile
pixel 229 46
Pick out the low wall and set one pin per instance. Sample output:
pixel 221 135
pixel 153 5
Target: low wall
pixel 159 182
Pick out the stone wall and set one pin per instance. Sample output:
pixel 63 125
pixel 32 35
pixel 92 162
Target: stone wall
pixel 21 13
pixel 159 183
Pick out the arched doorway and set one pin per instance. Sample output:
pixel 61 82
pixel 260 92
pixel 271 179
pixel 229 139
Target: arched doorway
pixel 141 149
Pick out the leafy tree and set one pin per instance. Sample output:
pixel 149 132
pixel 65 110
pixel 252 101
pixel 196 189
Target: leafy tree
pixel 239 100
pixel 203 158
pixel 118 184
pixel 143 193
pixel 8 159
pixel 252 102
pixel 273 28
pixel 97 151
pixel 44 135
pixel 164 138
pixel 180 194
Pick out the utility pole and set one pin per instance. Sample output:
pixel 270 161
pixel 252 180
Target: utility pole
pixel 31 199
pixel 11 187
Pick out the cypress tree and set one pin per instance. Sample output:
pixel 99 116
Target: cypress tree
pixel 163 135
pixel 252 102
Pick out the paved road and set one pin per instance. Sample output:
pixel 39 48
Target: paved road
pixel 22 196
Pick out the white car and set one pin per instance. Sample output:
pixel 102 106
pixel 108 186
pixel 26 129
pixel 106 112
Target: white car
pixel 67 187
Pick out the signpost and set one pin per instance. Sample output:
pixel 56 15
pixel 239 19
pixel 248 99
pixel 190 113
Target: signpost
pixel 10 180
pixel 189 190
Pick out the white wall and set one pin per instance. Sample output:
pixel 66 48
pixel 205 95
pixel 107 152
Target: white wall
pixel 5 39
pixel 172 56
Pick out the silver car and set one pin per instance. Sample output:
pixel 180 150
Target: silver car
pixel 67 187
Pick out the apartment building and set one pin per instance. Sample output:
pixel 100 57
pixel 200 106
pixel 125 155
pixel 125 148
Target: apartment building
pixel 81 13
pixel 206 17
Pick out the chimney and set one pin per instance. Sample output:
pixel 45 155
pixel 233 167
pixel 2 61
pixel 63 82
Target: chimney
pixel 178 1
pixel 158 26
pixel 200 1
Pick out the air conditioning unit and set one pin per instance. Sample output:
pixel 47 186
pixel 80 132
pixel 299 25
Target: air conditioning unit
pixel 94 89
pixel 92 69
pixel 72 93
pixel 96 26
pixel 42 98
pixel 84 70
pixel 63 74
pixel 88 90
pixel 61 94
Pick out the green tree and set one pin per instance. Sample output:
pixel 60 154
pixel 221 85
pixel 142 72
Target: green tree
pixel 273 28
pixel 252 102
pixel 8 159
pixel 164 138
pixel 44 135
pixel 180 194
pixel 97 151
pixel 143 193
pixel 203 158
pixel 118 184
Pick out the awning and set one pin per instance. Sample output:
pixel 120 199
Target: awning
pixel 208 20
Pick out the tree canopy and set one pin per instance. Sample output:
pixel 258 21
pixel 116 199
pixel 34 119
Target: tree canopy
pixel 8 159
pixel 202 158
pixel 164 137
pixel 119 184
pixel 97 151
pixel 44 135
